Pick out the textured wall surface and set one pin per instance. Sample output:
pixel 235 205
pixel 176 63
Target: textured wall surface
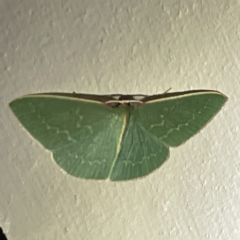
pixel 107 47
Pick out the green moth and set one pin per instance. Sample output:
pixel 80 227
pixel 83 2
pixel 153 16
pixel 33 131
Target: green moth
pixel 116 137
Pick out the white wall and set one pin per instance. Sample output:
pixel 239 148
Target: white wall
pixel 107 47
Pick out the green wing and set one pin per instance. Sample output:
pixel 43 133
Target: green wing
pixel 158 124
pixel 83 135
pixel 175 119
pixel 141 152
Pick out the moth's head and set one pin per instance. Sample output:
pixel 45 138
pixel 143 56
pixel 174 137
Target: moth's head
pixel 125 100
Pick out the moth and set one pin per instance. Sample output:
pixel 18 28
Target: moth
pixel 115 137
